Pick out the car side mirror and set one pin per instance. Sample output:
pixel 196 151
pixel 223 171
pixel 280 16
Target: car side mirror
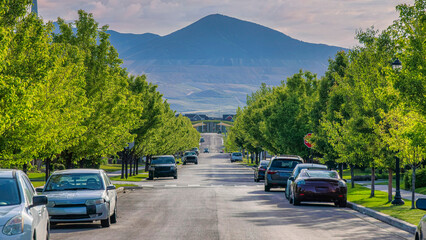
pixel 38 201
pixel 291 178
pixel 39 189
pixel 112 187
pixel 421 203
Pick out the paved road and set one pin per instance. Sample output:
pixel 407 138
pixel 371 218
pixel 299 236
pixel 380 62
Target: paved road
pixel 219 200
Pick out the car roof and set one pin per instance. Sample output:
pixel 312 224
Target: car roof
pixel 288 157
pixel 79 170
pixel 308 165
pixel 7 173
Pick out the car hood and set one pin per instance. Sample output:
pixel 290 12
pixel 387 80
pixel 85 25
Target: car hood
pixel 163 165
pixel 73 197
pixel 7 212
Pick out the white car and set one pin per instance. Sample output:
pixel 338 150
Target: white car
pixel 23 214
pixel 421 228
pixel 236 156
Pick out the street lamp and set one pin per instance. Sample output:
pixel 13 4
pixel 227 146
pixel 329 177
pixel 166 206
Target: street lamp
pixel 397 65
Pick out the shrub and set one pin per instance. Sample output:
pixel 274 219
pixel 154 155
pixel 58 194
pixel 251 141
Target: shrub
pixel 420 178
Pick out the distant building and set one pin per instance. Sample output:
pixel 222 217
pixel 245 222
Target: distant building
pixel 197 117
pixel 228 117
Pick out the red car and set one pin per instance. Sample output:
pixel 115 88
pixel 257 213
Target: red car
pixel 319 186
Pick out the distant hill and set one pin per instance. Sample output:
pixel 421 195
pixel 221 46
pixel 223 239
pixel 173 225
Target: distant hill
pixel 216 61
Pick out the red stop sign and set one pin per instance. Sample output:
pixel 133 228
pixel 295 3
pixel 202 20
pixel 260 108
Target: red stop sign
pixel 306 140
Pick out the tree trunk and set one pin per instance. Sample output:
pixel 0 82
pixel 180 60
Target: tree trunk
pixel 47 169
pixel 122 166
pixel 136 166
pixel 373 178
pixel 352 176
pixel 130 165
pixel 340 170
pixel 147 162
pixel 126 170
pixel 390 185
pixel 25 168
pixel 413 186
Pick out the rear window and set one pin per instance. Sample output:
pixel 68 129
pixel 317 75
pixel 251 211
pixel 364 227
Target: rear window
pixel 236 154
pixel 264 163
pixel 10 193
pixel 320 174
pixel 284 163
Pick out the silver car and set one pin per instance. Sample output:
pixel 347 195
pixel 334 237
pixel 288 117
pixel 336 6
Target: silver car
pixel 421 228
pixel 81 195
pixel 23 214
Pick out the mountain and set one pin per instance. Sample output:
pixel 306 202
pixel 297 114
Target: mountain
pixel 216 61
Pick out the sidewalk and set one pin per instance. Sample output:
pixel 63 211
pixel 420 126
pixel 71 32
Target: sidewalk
pixel 384 188
pixel 118 173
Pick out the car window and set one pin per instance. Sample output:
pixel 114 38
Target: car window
pixel 264 163
pixel 320 174
pixel 236 154
pixel 163 160
pixel 74 181
pixel 28 190
pixel 106 179
pixel 9 186
pixel 284 163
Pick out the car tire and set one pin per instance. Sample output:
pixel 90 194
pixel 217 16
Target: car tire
pixel 184 163
pixel 267 188
pixel 114 215
pixel 150 176
pixel 341 203
pixel 296 202
pixel 196 162
pixel 175 176
pixel 106 222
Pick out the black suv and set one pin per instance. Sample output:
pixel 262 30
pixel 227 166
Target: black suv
pixel 279 170
pixel 163 166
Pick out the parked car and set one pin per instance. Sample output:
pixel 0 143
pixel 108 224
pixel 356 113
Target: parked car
pixel 259 171
pixel 202 140
pixel 189 157
pixel 421 228
pixel 23 214
pixel 296 172
pixel 81 195
pixel 279 170
pixel 236 156
pixel 206 150
pixel 163 166
pixel 319 186
pixel 195 150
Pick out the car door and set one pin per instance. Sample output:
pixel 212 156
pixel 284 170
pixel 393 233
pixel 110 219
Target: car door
pixel 39 213
pixel 112 194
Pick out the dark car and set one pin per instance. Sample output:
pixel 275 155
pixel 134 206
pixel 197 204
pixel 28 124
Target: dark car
pixel 163 166
pixel 421 228
pixel 190 157
pixel 195 150
pixel 202 140
pixel 259 171
pixel 206 150
pixel 296 172
pixel 319 186
pixel 279 170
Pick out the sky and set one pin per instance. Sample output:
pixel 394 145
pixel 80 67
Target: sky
pixel 332 22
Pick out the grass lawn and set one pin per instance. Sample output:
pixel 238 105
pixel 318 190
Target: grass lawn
pixel 38 183
pixel 357 172
pixel 247 161
pixel 111 167
pixel 36 176
pixel 361 195
pixel 136 178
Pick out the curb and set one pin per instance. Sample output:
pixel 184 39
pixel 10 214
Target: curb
pixel 408 227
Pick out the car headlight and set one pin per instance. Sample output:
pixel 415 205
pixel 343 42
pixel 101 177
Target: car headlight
pixel 301 182
pixel 50 204
pixel 14 226
pixel 172 168
pixel 342 184
pixel 95 201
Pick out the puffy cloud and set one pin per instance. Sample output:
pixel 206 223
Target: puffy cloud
pixel 332 22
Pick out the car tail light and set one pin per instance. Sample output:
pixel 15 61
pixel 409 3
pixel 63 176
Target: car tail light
pixel 272 172
pixel 302 194
pixel 340 195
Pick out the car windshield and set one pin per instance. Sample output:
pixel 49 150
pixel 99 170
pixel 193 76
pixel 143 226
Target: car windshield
pixel 189 153
pixel 194 149
pixel 284 163
pixel 163 160
pixel 74 181
pixel 321 174
pixel 10 193
pixel 237 154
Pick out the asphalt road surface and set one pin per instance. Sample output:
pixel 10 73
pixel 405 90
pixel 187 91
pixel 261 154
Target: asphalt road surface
pixel 217 199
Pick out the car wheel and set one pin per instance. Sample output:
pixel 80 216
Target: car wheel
pixel 114 215
pixel 196 162
pixel 285 194
pixel 48 231
pixel 342 203
pixel 296 202
pixel 150 176
pixel 267 188
pixel 184 163
pixel 175 176
pixel 106 222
